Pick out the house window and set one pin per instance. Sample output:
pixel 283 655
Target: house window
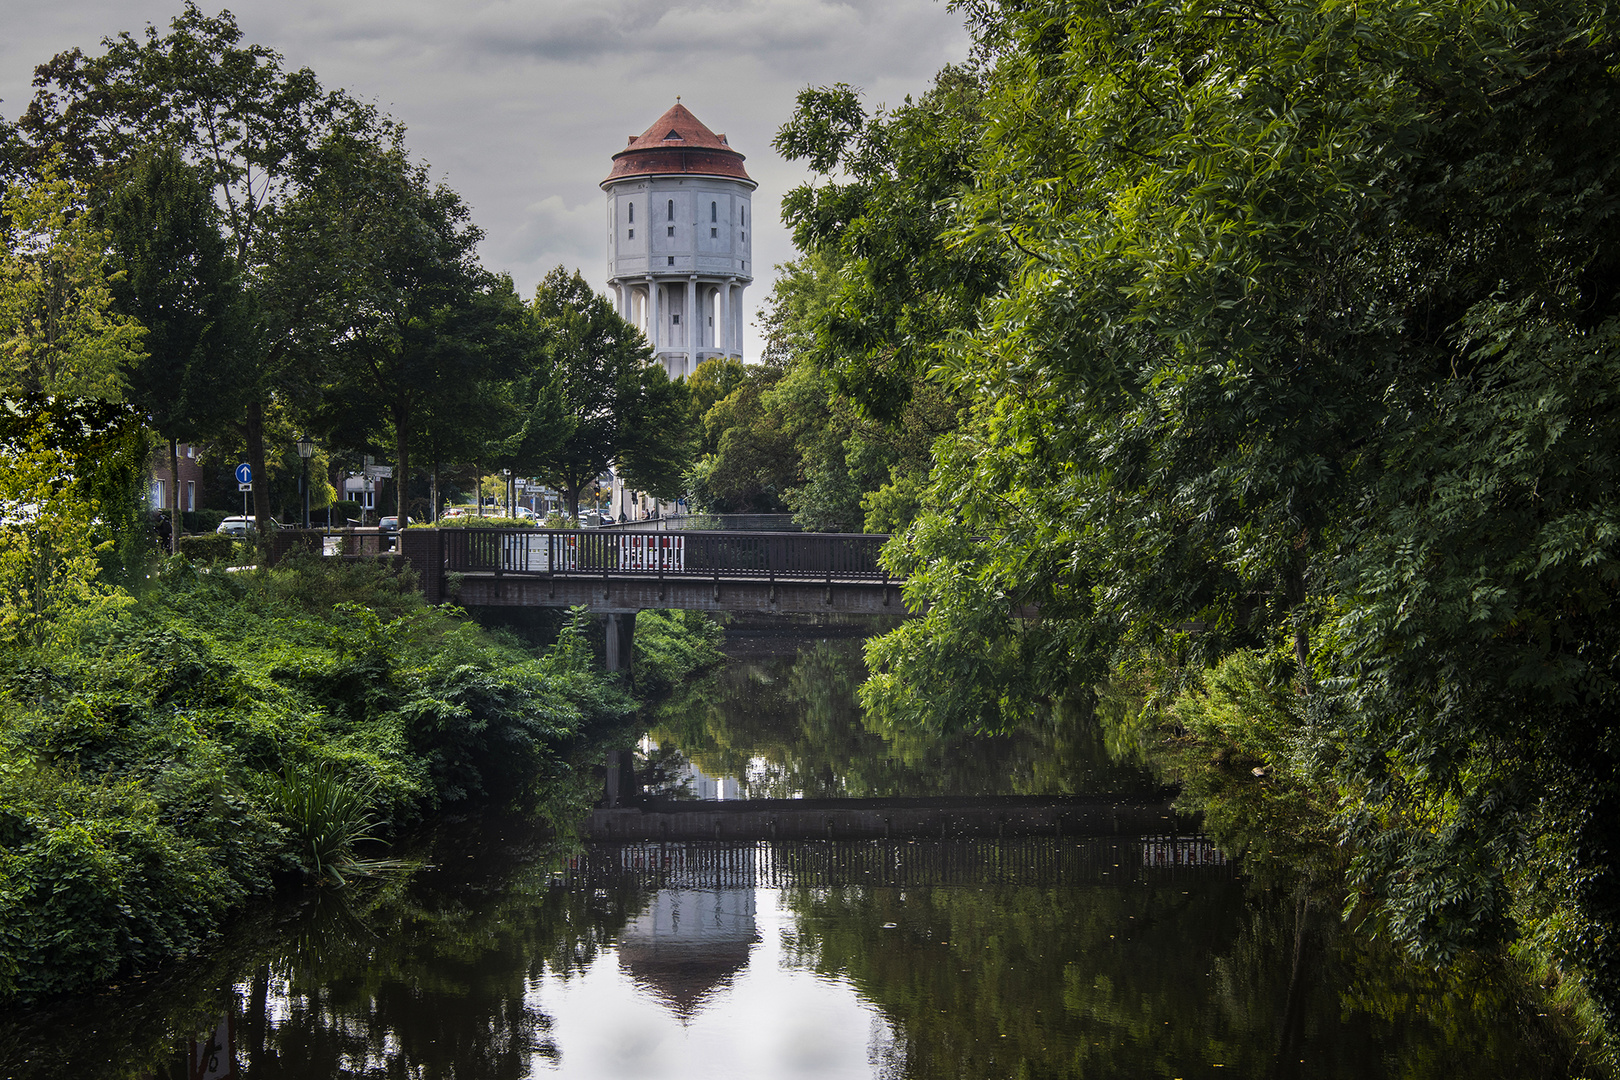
pixel 672 209
pixel 191 495
pixel 159 500
pixel 714 211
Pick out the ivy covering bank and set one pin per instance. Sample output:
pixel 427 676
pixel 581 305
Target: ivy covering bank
pixel 164 759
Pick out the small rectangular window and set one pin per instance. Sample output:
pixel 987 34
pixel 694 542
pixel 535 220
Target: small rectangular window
pixel 672 210
pixel 191 495
pixel 714 232
pixel 672 260
pixel 675 320
pixel 632 213
pixel 632 234
pixel 672 230
pixel 714 211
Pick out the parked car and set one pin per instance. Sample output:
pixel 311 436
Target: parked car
pixel 452 513
pixel 236 526
pixel 525 513
pixel 390 523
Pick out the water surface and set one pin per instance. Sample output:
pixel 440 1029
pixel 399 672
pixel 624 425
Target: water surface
pixel 517 956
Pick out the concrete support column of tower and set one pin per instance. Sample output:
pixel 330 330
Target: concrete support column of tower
pixel 693 325
pixel 722 312
pixel 654 317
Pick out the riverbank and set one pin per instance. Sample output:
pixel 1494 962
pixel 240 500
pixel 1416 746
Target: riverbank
pixel 1234 743
pixel 166 759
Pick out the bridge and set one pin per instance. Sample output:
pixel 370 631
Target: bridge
pixel 618 572
pixel 1038 861
pixel 936 818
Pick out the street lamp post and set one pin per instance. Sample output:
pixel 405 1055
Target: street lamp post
pixel 306 450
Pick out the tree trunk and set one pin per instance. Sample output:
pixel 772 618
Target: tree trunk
pixel 261 479
pixel 402 461
pixel 174 504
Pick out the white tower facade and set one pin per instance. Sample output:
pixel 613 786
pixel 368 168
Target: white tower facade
pixel 680 255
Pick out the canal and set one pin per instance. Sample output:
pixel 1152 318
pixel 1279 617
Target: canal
pixel 1136 952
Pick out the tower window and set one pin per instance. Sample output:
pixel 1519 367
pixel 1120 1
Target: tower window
pixel 675 320
pixel 714 211
pixel 632 213
pixel 632 234
pixel 672 209
pixel 714 232
pixel 672 230
pixel 745 215
pixel 745 237
pixel 672 262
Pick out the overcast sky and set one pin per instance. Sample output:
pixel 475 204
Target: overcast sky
pixel 520 106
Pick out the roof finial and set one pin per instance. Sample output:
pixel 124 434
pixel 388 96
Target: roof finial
pixel 677 99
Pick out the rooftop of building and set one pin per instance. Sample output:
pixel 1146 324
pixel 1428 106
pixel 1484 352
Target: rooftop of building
pixel 678 143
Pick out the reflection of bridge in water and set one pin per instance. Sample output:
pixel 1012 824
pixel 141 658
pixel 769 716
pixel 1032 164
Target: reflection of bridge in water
pixel 936 818
pixel 1041 862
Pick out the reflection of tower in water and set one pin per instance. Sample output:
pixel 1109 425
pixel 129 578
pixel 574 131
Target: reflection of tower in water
pixel 689 943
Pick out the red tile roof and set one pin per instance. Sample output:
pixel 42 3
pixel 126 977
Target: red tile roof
pixel 678 142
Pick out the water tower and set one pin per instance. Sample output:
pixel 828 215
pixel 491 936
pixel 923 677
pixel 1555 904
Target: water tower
pixel 679 256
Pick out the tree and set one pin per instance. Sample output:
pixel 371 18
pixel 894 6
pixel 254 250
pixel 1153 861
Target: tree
pixel 413 320
pixel 234 112
pixel 68 471
pixel 180 283
pixel 1310 350
pixel 622 407
pixel 59 333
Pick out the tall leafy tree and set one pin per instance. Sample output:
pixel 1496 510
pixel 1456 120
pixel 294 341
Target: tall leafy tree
pixel 1310 353
pixel 236 113
pixel 179 281
pixel 411 321
pixel 59 332
pixel 621 407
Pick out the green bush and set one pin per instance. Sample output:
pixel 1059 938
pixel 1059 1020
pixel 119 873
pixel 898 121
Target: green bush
pixel 343 510
pixel 209 547
pixel 180 754
pixel 202 521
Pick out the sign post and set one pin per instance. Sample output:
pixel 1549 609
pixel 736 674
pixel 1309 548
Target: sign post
pixel 244 484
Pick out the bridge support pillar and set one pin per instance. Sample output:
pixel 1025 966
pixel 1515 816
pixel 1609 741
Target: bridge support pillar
pixel 621 632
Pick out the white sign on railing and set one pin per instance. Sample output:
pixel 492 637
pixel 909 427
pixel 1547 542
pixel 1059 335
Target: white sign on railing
pixel 539 552
pixel 666 551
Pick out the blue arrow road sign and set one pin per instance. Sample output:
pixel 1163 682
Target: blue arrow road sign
pixel 244 474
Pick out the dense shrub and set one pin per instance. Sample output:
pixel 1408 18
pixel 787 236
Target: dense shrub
pixel 209 547
pixel 159 767
pixel 202 521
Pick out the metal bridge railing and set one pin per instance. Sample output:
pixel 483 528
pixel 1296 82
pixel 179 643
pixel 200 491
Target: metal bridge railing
pixel 771 556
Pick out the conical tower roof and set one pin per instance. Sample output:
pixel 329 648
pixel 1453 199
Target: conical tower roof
pixel 678 143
